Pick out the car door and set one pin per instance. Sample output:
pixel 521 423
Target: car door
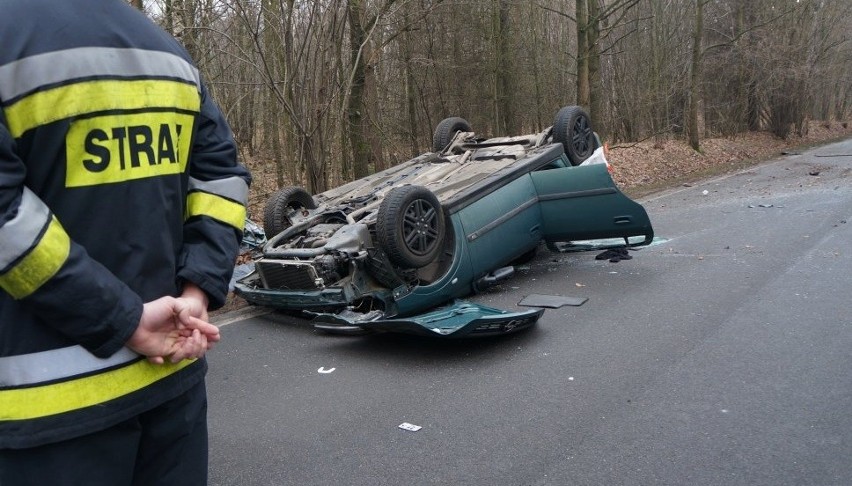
pixel 501 225
pixel 583 203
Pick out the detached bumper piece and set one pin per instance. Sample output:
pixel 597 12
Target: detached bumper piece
pixel 456 320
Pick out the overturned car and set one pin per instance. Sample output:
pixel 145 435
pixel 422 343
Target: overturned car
pixel 395 250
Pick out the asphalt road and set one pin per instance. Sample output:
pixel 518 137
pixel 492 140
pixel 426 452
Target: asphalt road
pixel 721 356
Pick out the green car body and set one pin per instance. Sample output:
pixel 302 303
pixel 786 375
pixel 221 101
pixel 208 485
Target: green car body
pixel 499 199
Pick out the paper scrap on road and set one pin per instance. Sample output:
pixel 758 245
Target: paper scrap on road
pixel 408 426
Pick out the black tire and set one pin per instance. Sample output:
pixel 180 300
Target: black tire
pixel 572 127
pixel 446 130
pixel 410 227
pixel 278 207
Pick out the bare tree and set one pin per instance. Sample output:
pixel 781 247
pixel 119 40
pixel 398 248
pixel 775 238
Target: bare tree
pixel 321 91
pixel 361 136
pixel 695 71
pixel 504 118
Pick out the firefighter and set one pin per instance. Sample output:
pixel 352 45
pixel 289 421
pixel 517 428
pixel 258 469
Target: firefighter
pixel 121 211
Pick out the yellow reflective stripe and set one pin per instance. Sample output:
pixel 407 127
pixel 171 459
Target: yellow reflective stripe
pixel 40 264
pixel 218 208
pixel 94 96
pixel 46 400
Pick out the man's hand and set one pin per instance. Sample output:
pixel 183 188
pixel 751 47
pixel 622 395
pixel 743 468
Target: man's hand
pixel 197 300
pixel 170 329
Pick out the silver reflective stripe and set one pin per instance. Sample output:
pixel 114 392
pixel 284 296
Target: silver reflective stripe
pixel 19 234
pixel 233 188
pixel 56 364
pixel 22 76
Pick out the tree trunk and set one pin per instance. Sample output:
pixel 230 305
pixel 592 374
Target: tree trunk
pixel 169 14
pixel 537 83
pixel 503 115
pixel 596 97
pixel 314 164
pixel 741 113
pixel 694 87
pixel 356 111
pixel 187 32
pixel 583 94
pixel 286 51
pixel 372 111
pixel 410 94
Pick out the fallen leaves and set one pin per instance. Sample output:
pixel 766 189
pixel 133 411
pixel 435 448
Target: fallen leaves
pixel 652 163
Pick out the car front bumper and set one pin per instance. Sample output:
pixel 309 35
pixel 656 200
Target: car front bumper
pixel 458 319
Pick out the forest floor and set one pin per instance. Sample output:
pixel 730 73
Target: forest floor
pixel 646 167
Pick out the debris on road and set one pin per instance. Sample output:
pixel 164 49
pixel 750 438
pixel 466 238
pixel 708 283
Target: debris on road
pixel 551 301
pixel 614 255
pixel 752 206
pixel 408 426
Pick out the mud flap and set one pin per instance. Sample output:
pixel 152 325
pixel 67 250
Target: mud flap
pixel 457 319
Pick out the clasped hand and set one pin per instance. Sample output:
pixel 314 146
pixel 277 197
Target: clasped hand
pixel 173 328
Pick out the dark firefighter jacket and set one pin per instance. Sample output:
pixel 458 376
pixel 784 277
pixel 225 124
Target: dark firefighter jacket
pixel 118 182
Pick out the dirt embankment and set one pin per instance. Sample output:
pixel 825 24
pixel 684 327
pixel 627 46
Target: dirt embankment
pixel 645 167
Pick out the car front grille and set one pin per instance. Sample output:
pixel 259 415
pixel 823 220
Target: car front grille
pixel 277 274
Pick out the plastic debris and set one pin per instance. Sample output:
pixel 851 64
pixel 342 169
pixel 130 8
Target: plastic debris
pixel 240 271
pixel 325 371
pixel 253 236
pixel 614 255
pixel 408 426
pixel 551 301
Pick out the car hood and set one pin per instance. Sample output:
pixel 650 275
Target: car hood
pixel 457 319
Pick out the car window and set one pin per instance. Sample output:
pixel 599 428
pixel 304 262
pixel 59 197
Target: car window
pixel 559 163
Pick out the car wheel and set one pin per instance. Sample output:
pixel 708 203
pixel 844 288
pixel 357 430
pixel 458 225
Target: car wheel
pixel 446 130
pixel 410 227
pixel 573 129
pixel 276 213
